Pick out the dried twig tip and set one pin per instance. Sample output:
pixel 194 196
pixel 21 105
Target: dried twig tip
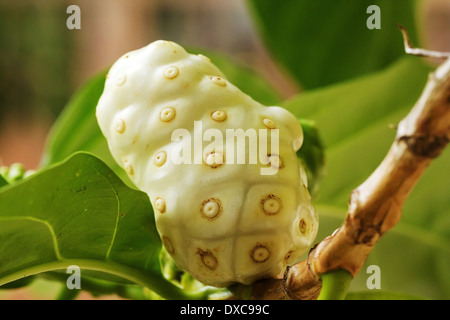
pixel 419 51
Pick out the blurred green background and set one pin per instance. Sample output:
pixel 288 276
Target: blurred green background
pixel 42 64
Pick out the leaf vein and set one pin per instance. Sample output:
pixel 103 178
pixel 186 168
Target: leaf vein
pixel 108 252
pixel 47 224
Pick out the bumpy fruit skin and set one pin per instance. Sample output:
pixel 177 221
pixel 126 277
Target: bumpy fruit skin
pixel 221 222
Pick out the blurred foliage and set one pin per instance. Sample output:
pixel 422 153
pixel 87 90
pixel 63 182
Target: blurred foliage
pixel 322 42
pixel 354 118
pixel 34 55
pixel 3 181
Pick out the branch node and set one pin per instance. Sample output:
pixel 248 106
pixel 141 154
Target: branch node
pixel 428 147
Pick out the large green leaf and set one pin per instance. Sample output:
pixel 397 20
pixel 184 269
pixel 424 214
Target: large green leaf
pixel 323 42
pixel 79 212
pixel 356 119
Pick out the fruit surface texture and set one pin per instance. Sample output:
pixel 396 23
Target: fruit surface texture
pixel 224 217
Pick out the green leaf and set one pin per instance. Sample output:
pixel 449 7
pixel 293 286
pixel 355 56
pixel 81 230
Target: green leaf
pixel 356 120
pixel 79 212
pixel 323 42
pixel 3 182
pixel 312 155
pixel 23 282
pixel 76 128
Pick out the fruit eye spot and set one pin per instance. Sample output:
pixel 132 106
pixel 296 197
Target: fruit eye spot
pixel 219 81
pixel 120 126
pixel 171 73
pixel 160 205
pixel 214 159
pixel 302 226
pixel 260 253
pixel 219 116
pixel 208 259
pixel 128 167
pixel 269 123
pixel 167 114
pixel 275 161
pixel 160 158
pixel 271 205
pixel 211 208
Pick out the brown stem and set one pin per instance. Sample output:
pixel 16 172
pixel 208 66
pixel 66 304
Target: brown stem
pixel 376 205
pixel 419 51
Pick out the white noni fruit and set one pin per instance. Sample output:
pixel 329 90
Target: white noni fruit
pixel 168 117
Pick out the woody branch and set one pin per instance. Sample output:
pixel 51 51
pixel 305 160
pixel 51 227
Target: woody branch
pixel 376 205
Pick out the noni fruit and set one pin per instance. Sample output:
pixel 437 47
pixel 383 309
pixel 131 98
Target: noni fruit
pixel 225 213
